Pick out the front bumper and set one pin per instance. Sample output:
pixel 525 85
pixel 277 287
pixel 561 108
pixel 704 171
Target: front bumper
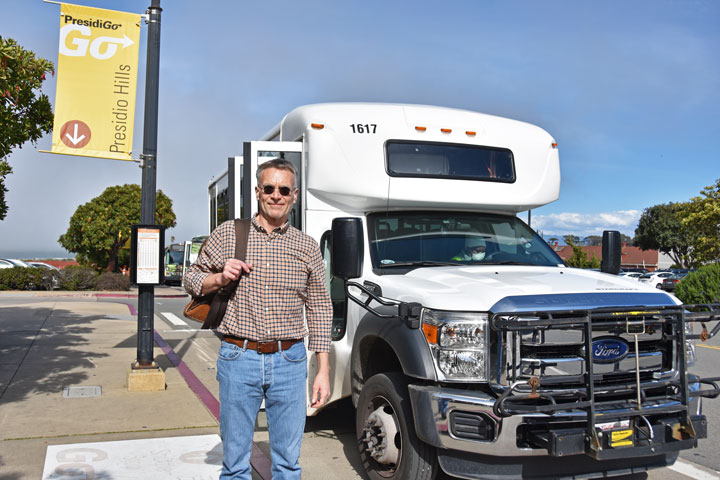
pixel 445 418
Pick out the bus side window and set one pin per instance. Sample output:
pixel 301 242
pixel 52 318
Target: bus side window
pixel 336 289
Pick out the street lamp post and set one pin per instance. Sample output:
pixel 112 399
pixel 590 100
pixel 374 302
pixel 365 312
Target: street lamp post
pixel 146 293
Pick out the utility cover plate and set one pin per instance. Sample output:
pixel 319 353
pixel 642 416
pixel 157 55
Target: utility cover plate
pixel 79 392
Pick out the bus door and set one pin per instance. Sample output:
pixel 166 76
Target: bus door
pixel 255 153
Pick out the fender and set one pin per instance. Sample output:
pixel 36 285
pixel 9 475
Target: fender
pixel 408 345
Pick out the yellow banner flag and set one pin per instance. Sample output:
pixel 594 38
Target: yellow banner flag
pixel 96 82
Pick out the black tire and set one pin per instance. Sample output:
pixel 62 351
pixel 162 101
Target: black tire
pixel 416 460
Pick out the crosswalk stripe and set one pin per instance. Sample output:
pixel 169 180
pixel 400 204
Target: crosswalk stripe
pixel 174 319
pixel 688 469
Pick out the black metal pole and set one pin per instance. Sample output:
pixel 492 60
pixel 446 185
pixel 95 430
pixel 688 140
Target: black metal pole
pixel 146 293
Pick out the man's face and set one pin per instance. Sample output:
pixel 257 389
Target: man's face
pixel 275 207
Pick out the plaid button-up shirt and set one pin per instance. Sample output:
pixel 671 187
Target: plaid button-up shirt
pixel 287 274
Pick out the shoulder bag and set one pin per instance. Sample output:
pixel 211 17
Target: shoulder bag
pixel 210 309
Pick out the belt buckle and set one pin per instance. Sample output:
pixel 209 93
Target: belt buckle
pixel 267 347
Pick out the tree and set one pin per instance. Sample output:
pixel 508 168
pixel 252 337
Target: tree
pixel 579 258
pixel 701 217
pixel 593 240
pixel 99 228
pixel 627 240
pixel 571 239
pixel 660 228
pixel 25 112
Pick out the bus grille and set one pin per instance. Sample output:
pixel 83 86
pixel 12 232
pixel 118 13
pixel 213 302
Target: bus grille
pixel 554 347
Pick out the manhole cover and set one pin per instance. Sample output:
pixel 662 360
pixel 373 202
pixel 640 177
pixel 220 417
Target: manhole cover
pixel 77 392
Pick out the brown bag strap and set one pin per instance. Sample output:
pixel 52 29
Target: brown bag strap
pixel 219 304
pixel 242 232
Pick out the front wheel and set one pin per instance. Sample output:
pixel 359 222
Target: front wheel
pixel 389 447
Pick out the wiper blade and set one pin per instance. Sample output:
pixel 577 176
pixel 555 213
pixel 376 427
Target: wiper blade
pixel 423 263
pixel 509 262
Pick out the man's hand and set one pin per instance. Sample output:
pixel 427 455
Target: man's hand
pixel 321 385
pixel 232 270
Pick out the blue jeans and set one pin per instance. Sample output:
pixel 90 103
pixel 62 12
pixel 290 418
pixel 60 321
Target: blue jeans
pixel 245 378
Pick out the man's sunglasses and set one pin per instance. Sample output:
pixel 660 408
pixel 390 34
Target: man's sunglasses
pixel 270 189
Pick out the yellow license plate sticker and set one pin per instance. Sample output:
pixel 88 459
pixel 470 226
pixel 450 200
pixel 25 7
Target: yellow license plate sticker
pixel 621 438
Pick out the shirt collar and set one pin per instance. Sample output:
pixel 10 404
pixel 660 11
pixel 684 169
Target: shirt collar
pixel 281 229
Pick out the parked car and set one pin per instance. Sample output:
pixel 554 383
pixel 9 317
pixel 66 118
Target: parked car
pixel 43 265
pixel 5 264
pixel 678 271
pixel 671 282
pixel 633 275
pixel 14 262
pixel 635 270
pixel 655 278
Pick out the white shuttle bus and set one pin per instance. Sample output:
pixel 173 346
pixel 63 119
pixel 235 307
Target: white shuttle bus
pixel 465 342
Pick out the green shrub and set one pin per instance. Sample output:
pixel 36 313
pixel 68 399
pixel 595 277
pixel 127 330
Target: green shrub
pixel 49 279
pixel 700 286
pixel 21 278
pixel 76 277
pixel 113 281
pixel 6 277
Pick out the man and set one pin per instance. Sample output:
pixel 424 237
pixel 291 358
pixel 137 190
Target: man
pixel 262 355
pixel 474 250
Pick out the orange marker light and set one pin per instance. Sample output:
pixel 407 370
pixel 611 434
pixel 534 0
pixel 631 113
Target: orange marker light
pixel 420 129
pixel 430 333
pixel 318 126
pixel 446 130
pixel 470 134
pixel 554 145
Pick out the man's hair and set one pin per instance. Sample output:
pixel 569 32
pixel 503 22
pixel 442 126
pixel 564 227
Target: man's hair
pixel 279 163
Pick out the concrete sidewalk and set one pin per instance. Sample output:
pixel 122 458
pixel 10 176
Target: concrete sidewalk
pixel 53 352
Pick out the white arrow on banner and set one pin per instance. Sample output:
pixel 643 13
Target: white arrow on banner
pixel 125 41
pixel 111 48
pixel 75 139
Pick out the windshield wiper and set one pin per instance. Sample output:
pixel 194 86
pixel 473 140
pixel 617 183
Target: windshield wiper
pixel 422 263
pixel 509 262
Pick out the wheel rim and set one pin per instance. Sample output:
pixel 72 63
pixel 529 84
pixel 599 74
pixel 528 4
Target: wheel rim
pixel 381 438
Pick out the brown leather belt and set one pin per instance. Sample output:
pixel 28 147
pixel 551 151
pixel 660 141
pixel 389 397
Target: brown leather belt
pixel 261 347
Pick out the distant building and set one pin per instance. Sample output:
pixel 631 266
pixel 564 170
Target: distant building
pixel 632 257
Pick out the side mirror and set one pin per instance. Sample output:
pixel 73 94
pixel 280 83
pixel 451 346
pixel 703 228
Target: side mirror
pixel 347 247
pixel 611 252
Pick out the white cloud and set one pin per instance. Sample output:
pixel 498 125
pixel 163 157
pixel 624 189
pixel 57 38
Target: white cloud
pixel 584 224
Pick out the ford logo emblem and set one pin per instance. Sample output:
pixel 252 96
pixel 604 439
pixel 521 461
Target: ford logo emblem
pixel 609 349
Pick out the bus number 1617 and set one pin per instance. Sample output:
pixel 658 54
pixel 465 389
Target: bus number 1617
pixel 363 128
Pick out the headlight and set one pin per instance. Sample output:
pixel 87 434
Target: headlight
pixel 690 344
pixel 459 343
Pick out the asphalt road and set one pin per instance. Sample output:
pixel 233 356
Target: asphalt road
pixel 340 419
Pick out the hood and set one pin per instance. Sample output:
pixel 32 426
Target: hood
pixel 510 288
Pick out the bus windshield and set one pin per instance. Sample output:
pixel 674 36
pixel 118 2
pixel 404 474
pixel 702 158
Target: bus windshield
pixel 413 239
pixel 174 256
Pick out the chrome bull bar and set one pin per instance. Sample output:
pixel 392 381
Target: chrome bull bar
pixel 634 399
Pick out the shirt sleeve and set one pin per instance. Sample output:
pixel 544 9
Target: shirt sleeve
pixel 318 308
pixel 211 259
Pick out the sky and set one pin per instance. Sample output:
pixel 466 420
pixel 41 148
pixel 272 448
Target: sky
pixel 629 90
